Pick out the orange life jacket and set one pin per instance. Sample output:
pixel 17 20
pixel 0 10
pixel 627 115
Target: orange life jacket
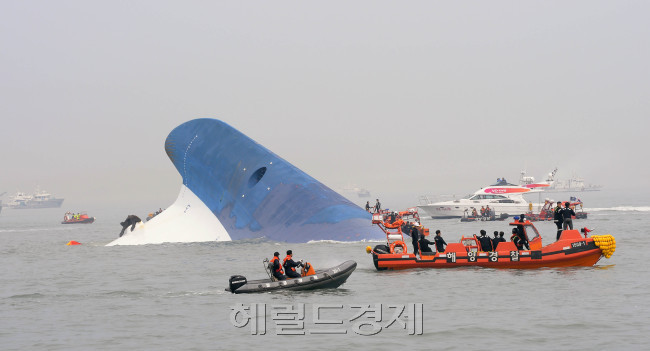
pixel 284 262
pixel 279 269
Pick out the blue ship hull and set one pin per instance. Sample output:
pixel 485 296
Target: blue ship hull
pixel 255 193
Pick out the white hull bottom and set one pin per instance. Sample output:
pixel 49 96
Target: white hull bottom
pixel 187 220
pixel 458 210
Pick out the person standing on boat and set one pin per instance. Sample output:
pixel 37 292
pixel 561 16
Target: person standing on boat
pixel 515 239
pixel 523 240
pixel 567 215
pixel 440 242
pixel 495 241
pixel 290 266
pixel 377 206
pixel 368 206
pixel 501 238
pixel 558 219
pixel 415 238
pixel 486 243
pixel 276 267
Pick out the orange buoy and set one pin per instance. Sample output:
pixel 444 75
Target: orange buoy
pixel 73 243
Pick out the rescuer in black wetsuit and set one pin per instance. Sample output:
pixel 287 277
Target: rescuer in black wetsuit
pixel 522 236
pixel 290 266
pixel 415 239
pixel 131 220
pixel 558 219
pixel 424 244
pixel 495 240
pixel 439 242
pixel 567 215
pixel 515 239
pixel 486 243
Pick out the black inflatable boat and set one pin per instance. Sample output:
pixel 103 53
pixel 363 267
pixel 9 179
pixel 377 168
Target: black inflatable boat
pixel 321 279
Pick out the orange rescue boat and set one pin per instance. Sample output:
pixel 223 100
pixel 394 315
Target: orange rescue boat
pixel 72 218
pixel 571 250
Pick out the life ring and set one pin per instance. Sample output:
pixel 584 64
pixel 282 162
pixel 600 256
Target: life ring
pixel 393 247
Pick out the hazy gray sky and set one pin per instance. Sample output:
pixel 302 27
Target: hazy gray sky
pixel 403 97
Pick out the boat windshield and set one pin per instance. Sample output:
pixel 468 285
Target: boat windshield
pixel 531 232
pixel 503 183
pixel 487 197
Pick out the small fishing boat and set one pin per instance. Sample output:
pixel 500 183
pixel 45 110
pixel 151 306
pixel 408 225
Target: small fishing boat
pixel 76 218
pixel 309 280
pixel 571 250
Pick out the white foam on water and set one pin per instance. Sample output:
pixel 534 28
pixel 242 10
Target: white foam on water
pixel 620 209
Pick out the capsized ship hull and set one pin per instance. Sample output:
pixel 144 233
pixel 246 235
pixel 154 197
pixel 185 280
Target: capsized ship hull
pixel 234 188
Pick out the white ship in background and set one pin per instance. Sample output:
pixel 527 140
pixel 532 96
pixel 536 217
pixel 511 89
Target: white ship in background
pixel 504 197
pixel 573 184
pixel 40 199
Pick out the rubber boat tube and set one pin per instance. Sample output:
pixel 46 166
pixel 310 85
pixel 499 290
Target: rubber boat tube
pixel 322 279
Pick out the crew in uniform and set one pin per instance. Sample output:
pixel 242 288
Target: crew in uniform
pixel 515 239
pixel 486 242
pixel 290 266
pixel 439 242
pixel 495 241
pixel 557 218
pixel 276 267
pixel 415 238
pixel 522 235
pixel 424 244
pixel 567 215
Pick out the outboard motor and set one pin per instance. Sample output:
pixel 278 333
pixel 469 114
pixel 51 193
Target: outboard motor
pixel 236 282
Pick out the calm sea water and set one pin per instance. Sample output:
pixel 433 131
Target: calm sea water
pixel 171 296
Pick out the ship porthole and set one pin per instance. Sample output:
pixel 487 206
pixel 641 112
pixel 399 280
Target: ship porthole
pixel 256 177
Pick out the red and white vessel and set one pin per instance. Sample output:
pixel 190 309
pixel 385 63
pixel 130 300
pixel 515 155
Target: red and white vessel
pixel 506 198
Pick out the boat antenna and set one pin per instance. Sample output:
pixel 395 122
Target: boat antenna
pixel 266 268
